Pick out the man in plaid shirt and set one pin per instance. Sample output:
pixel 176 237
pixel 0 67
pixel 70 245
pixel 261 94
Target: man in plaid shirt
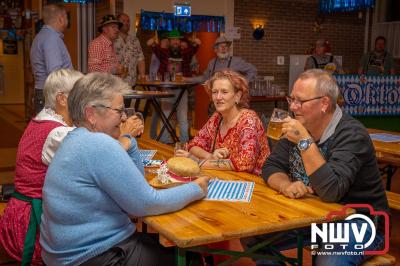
pixel 102 57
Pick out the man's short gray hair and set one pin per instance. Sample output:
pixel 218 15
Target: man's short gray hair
pixel 326 84
pixel 51 12
pixel 59 81
pixel 94 89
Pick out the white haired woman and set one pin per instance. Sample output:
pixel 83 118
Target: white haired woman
pixel 86 221
pixel 35 152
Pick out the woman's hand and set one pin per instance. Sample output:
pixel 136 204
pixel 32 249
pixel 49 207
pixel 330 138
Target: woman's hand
pixel 182 153
pixel 293 130
pixel 296 190
pixel 132 126
pixel 203 183
pixel 221 153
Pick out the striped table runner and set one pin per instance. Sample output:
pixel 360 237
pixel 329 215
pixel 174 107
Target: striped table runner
pixel 230 190
pixel 146 155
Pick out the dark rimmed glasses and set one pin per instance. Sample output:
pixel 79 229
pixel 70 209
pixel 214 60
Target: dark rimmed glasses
pixel 299 103
pixel 121 111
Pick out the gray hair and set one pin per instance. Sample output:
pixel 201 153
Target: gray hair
pixel 325 84
pixel 59 81
pixel 94 89
pixel 51 12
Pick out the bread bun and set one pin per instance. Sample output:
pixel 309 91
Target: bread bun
pixel 183 166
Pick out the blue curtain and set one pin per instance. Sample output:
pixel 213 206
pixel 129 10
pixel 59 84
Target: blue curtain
pixel 329 6
pixel 167 22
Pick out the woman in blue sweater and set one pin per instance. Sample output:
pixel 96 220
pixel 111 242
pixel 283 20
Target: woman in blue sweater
pixel 94 186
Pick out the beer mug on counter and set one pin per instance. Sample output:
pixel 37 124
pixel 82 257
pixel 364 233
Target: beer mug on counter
pixel 274 130
pixel 179 77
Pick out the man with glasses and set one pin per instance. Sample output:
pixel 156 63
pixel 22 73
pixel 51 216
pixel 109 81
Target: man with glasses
pixel 222 61
pixel 327 153
pixel 225 61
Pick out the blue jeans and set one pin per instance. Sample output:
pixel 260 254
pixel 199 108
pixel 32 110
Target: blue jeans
pixel 289 240
pixel 181 114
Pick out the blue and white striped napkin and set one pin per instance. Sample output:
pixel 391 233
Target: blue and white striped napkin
pixel 146 155
pixel 230 190
pixel 385 137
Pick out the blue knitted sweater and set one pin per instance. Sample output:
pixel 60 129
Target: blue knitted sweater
pixel 91 188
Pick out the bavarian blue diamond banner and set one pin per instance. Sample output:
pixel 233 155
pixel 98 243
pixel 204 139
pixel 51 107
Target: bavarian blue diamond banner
pixel 370 95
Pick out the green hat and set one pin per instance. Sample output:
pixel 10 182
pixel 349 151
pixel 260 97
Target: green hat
pixel 175 34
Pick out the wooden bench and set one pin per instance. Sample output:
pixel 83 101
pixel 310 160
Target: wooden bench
pixel 394 200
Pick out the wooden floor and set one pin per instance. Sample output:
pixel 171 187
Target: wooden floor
pixel 14 115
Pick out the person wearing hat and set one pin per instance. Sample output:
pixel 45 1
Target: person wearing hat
pixel 102 57
pixel 48 50
pixel 225 61
pixel 175 59
pixel 174 55
pixel 322 60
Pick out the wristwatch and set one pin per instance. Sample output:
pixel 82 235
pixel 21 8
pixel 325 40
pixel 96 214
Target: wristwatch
pixel 304 144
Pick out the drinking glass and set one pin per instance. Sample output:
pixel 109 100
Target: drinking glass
pixel 131 112
pixel 274 130
pixel 125 72
pixel 179 77
pixel 167 77
pixel 180 146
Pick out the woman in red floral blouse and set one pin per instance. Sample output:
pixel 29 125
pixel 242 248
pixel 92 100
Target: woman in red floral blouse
pixel 233 138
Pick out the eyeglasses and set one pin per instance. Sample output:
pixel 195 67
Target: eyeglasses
pixel 121 111
pixel 299 103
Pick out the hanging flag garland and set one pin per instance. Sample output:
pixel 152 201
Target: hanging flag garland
pixel 329 6
pixel 168 22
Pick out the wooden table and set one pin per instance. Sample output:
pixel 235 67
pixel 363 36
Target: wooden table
pixel 171 85
pixel 387 153
pixel 205 222
pixel 152 97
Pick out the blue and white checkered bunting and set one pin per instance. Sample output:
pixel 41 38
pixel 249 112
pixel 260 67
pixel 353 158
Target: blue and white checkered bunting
pixel 374 96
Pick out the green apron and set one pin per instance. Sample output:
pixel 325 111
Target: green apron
pixel 34 222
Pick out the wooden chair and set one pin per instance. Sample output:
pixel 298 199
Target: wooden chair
pixel 380 260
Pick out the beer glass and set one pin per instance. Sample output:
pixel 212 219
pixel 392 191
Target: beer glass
pixel 180 146
pixel 179 77
pixel 274 130
pixel 125 72
pixel 131 112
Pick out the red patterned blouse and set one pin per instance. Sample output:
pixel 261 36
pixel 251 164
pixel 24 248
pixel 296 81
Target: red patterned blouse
pixel 246 142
